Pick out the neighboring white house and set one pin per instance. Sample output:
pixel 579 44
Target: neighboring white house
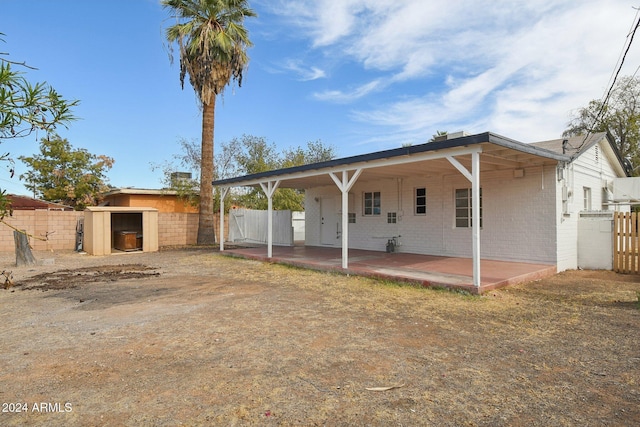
pixel 421 198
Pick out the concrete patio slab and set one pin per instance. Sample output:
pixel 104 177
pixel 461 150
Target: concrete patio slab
pixel 428 270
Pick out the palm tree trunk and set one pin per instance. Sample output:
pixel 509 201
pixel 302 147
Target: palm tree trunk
pixel 206 232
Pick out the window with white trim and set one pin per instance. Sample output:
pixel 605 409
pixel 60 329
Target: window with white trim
pixel 371 203
pixel 420 201
pixel 392 217
pixel 464 207
pixel 586 191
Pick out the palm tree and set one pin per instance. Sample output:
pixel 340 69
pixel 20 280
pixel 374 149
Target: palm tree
pixel 212 42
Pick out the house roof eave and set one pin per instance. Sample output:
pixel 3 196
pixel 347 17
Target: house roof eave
pixel 139 191
pixel 622 163
pixel 451 145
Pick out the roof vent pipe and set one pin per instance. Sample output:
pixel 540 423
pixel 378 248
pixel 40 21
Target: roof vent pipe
pixel 564 146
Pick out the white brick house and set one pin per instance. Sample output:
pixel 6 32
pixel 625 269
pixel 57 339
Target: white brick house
pixel 422 197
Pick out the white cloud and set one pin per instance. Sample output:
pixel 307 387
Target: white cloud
pixel 304 73
pixel 324 21
pixel 350 96
pixel 517 68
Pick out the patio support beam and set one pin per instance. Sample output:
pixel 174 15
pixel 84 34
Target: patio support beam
pixel 269 188
pixel 463 170
pixel 345 184
pixel 474 177
pixel 223 194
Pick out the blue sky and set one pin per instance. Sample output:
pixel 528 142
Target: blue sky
pixel 360 75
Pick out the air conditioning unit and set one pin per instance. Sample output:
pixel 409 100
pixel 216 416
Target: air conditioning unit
pixel 180 177
pixel 459 134
pixel 626 189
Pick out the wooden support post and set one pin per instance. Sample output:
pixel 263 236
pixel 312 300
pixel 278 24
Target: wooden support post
pixel 223 194
pixel 269 189
pixel 345 184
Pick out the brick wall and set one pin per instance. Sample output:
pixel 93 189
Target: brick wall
pixel 174 229
pixel 518 215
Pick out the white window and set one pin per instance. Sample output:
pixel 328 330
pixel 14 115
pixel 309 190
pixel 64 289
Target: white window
pixel 463 207
pixel 586 191
pixel 371 203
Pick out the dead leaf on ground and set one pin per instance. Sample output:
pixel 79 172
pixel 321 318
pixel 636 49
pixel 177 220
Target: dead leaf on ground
pixel 384 388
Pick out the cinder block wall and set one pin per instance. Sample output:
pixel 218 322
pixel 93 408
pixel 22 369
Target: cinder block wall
pixel 175 229
pixel 59 228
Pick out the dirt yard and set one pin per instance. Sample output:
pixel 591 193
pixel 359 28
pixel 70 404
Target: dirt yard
pixel 189 337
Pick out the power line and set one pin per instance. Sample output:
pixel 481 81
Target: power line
pixel 623 51
pixel 615 77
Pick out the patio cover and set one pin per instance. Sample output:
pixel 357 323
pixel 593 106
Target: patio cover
pixel 469 155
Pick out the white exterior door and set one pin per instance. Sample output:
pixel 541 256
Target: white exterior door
pixel 330 230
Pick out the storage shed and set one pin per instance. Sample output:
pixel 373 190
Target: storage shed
pixel 120 229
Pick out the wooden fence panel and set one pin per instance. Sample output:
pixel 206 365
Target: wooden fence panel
pixel 625 243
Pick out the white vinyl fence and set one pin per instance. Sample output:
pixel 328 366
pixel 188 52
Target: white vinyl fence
pixel 250 226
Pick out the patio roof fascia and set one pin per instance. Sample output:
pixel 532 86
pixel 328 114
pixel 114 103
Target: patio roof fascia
pixel 410 154
pixel 252 180
pixel 528 148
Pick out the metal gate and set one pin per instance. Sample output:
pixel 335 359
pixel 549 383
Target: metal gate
pixel 595 241
pixel 250 226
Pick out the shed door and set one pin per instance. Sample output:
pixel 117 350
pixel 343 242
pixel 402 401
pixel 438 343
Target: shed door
pixel 330 227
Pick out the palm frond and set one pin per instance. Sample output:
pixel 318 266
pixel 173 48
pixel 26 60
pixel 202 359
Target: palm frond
pixel 212 42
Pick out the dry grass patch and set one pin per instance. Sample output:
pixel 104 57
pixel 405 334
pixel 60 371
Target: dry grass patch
pixel 212 340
